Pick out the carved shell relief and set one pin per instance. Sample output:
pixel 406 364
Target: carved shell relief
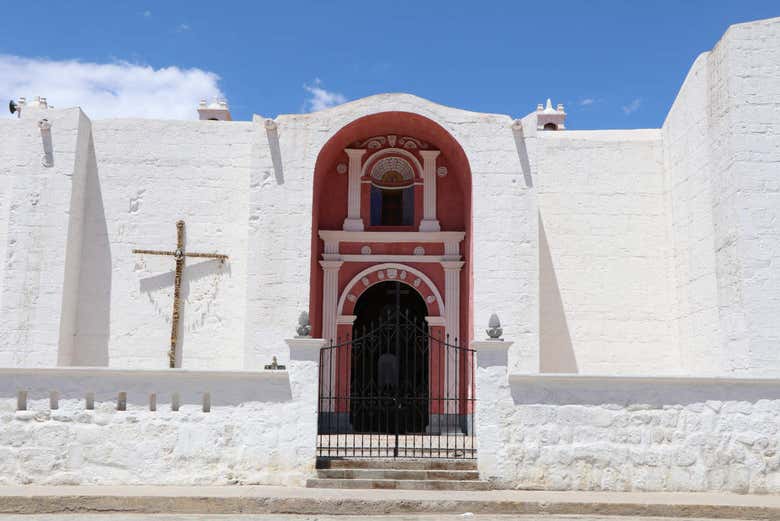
pixel 392 141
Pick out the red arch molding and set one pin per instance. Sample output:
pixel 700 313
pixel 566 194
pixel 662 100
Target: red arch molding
pixel 329 205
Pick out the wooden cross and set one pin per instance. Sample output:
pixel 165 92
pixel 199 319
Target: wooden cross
pixel 179 255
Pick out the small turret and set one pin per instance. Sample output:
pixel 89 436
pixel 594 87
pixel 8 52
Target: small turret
pixel 549 118
pixel 215 111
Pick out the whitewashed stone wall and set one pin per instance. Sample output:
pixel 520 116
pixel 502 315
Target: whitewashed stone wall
pixel 260 429
pixel 626 433
pixel 690 203
pixel 40 265
pixel 149 175
pixel 606 302
pixel 722 151
pixel 504 220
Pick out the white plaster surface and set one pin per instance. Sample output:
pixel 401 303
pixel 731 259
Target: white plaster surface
pixel 570 432
pixel 504 237
pixel 605 255
pixel 631 252
pixel 722 157
pixel 260 429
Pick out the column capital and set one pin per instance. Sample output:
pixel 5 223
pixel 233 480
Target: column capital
pixel 435 321
pixel 450 265
pixel 430 154
pixel 331 265
pixel 356 153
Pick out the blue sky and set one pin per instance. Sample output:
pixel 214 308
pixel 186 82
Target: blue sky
pixel 614 64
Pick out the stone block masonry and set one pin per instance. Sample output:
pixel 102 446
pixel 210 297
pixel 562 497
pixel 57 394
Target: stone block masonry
pixel 672 434
pixel 70 426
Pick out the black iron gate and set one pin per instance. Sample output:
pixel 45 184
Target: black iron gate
pixel 396 389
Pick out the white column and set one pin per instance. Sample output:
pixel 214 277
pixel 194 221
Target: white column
pixel 353 222
pixel 429 221
pixel 452 298
pixel 452 328
pixel 330 288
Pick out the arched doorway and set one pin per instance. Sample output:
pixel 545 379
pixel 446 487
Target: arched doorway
pixel 391 290
pixel 389 389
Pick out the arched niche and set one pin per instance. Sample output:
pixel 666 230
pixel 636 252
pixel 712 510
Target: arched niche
pixel 330 187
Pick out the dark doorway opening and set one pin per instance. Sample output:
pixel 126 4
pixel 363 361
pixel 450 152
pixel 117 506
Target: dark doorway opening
pixel 389 387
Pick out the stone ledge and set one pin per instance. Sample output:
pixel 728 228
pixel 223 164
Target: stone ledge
pixel 278 500
pixel 104 372
pixel 567 378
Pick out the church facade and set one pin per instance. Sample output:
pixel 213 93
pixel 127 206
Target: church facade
pixel 207 301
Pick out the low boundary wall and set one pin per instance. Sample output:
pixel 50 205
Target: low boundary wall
pixel 107 426
pixel 676 433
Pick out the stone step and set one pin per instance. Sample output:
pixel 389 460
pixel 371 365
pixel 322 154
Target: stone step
pixel 398 474
pixel 398 484
pixel 396 464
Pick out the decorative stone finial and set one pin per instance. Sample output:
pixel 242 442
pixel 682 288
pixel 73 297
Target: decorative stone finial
pixel 494 330
pixel 270 125
pixel 304 328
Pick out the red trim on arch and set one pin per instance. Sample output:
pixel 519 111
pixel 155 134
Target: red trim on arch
pixel 453 193
pixel 384 274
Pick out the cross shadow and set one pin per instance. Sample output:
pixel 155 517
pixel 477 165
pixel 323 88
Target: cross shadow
pixel 190 273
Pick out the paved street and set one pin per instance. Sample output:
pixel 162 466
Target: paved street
pixel 461 517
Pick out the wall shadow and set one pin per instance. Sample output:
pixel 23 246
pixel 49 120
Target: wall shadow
pixel 556 352
pixel 191 272
pixel 276 150
pixel 522 154
pixel 94 316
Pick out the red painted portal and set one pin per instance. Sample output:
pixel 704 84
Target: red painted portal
pixel 382 135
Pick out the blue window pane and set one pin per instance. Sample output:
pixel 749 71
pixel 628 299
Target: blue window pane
pixel 408 206
pixel 376 206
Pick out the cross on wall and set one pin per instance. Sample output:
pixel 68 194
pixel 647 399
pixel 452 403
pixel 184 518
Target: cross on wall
pixel 179 255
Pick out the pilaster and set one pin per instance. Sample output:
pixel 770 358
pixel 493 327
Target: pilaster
pixel 330 288
pixel 429 223
pixel 354 222
pixel 452 298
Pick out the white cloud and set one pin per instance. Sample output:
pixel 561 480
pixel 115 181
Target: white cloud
pixel 632 107
pixel 147 13
pixel 319 98
pixel 107 90
pixel 587 101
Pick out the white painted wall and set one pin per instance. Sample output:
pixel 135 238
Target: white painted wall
pixel 673 434
pixel 40 254
pixel 261 427
pixel 606 303
pixel 148 175
pixel 722 149
pixel 504 208
pixel 657 251
pixel 690 202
